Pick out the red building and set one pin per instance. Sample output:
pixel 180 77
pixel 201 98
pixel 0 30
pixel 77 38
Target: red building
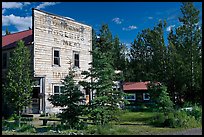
pixel 136 91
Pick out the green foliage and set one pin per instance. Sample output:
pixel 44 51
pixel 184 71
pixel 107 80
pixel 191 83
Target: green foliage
pixel 69 99
pixel 7 31
pixel 185 57
pixel 27 128
pixel 101 130
pixel 18 86
pixel 195 112
pixel 9 125
pixel 101 80
pixel 178 65
pixel 160 98
pixel 177 119
pixel 137 117
pixel 147 55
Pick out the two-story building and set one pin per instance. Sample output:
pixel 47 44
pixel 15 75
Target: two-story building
pixel 56 44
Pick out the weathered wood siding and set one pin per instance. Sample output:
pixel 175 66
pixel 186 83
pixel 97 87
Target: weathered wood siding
pixel 50 32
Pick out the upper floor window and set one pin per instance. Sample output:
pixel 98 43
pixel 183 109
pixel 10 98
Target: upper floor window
pixel 76 59
pixel 56 57
pixel 4 60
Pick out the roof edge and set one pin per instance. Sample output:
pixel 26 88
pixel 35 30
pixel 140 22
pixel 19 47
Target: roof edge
pixel 61 17
pixel 17 32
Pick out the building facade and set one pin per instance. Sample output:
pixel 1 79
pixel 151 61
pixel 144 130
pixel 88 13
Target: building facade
pixel 56 44
pixel 136 93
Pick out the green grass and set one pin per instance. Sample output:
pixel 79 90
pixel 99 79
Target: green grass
pixel 129 130
pixel 136 117
pixel 130 123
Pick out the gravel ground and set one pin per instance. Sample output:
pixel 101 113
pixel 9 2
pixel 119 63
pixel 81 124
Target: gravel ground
pixel 193 131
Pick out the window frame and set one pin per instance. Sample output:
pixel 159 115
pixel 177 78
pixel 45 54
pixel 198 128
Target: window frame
pixel 74 53
pixel 53 57
pixel 57 85
pixel 134 94
pixel 144 98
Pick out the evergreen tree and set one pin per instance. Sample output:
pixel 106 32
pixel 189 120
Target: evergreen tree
pixel 187 41
pixel 7 31
pixel 18 85
pixel 69 99
pixel 147 55
pixel 160 98
pixel 106 100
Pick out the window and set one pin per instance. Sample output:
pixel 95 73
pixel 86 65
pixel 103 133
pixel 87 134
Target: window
pixel 76 59
pixel 4 62
pixel 57 89
pixel 130 97
pixel 146 96
pixel 56 58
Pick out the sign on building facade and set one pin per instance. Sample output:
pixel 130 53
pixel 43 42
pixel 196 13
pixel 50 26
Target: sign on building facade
pixel 59 43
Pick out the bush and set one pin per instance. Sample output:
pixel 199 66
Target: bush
pixel 158 120
pixel 9 125
pixel 27 128
pixel 196 112
pixel 175 120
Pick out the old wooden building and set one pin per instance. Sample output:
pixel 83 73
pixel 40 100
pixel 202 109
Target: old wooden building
pixel 56 44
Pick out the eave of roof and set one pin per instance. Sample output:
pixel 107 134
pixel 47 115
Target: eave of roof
pixel 132 86
pixel 9 41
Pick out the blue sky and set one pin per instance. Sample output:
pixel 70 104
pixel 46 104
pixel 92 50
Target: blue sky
pixel 125 19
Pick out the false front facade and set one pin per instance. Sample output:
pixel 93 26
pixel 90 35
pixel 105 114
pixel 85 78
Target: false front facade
pixel 56 44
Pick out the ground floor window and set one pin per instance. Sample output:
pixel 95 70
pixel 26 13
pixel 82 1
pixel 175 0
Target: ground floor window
pixel 146 96
pixel 57 89
pixel 130 96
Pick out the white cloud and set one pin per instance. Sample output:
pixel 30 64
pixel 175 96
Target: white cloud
pixel 3 11
pixel 26 3
pixel 150 18
pixel 21 23
pixel 170 27
pixel 132 27
pixel 69 18
pixel 117 20
pixel 10 5
pixel 3 32
pixel 45 4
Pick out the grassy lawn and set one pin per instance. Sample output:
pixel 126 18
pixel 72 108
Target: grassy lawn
pixel 136 117
pixel 130 123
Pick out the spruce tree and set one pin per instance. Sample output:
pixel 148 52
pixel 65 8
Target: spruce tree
pixel 187 41
pixel 7 31
pixel 106 100
pixel 70 100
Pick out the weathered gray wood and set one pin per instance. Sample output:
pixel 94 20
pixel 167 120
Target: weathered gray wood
pixel 49 33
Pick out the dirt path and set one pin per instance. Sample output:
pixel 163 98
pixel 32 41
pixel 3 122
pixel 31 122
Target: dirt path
pixel 193 131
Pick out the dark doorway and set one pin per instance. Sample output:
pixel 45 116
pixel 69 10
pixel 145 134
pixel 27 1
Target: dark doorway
pixel 36 100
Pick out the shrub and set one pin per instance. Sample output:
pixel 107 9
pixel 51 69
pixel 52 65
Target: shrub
pixel 175 120
pixel 158 120
pixel 160 98
pixel 170 120
pixel 9 125
pixel 27 128
pixel 197 113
